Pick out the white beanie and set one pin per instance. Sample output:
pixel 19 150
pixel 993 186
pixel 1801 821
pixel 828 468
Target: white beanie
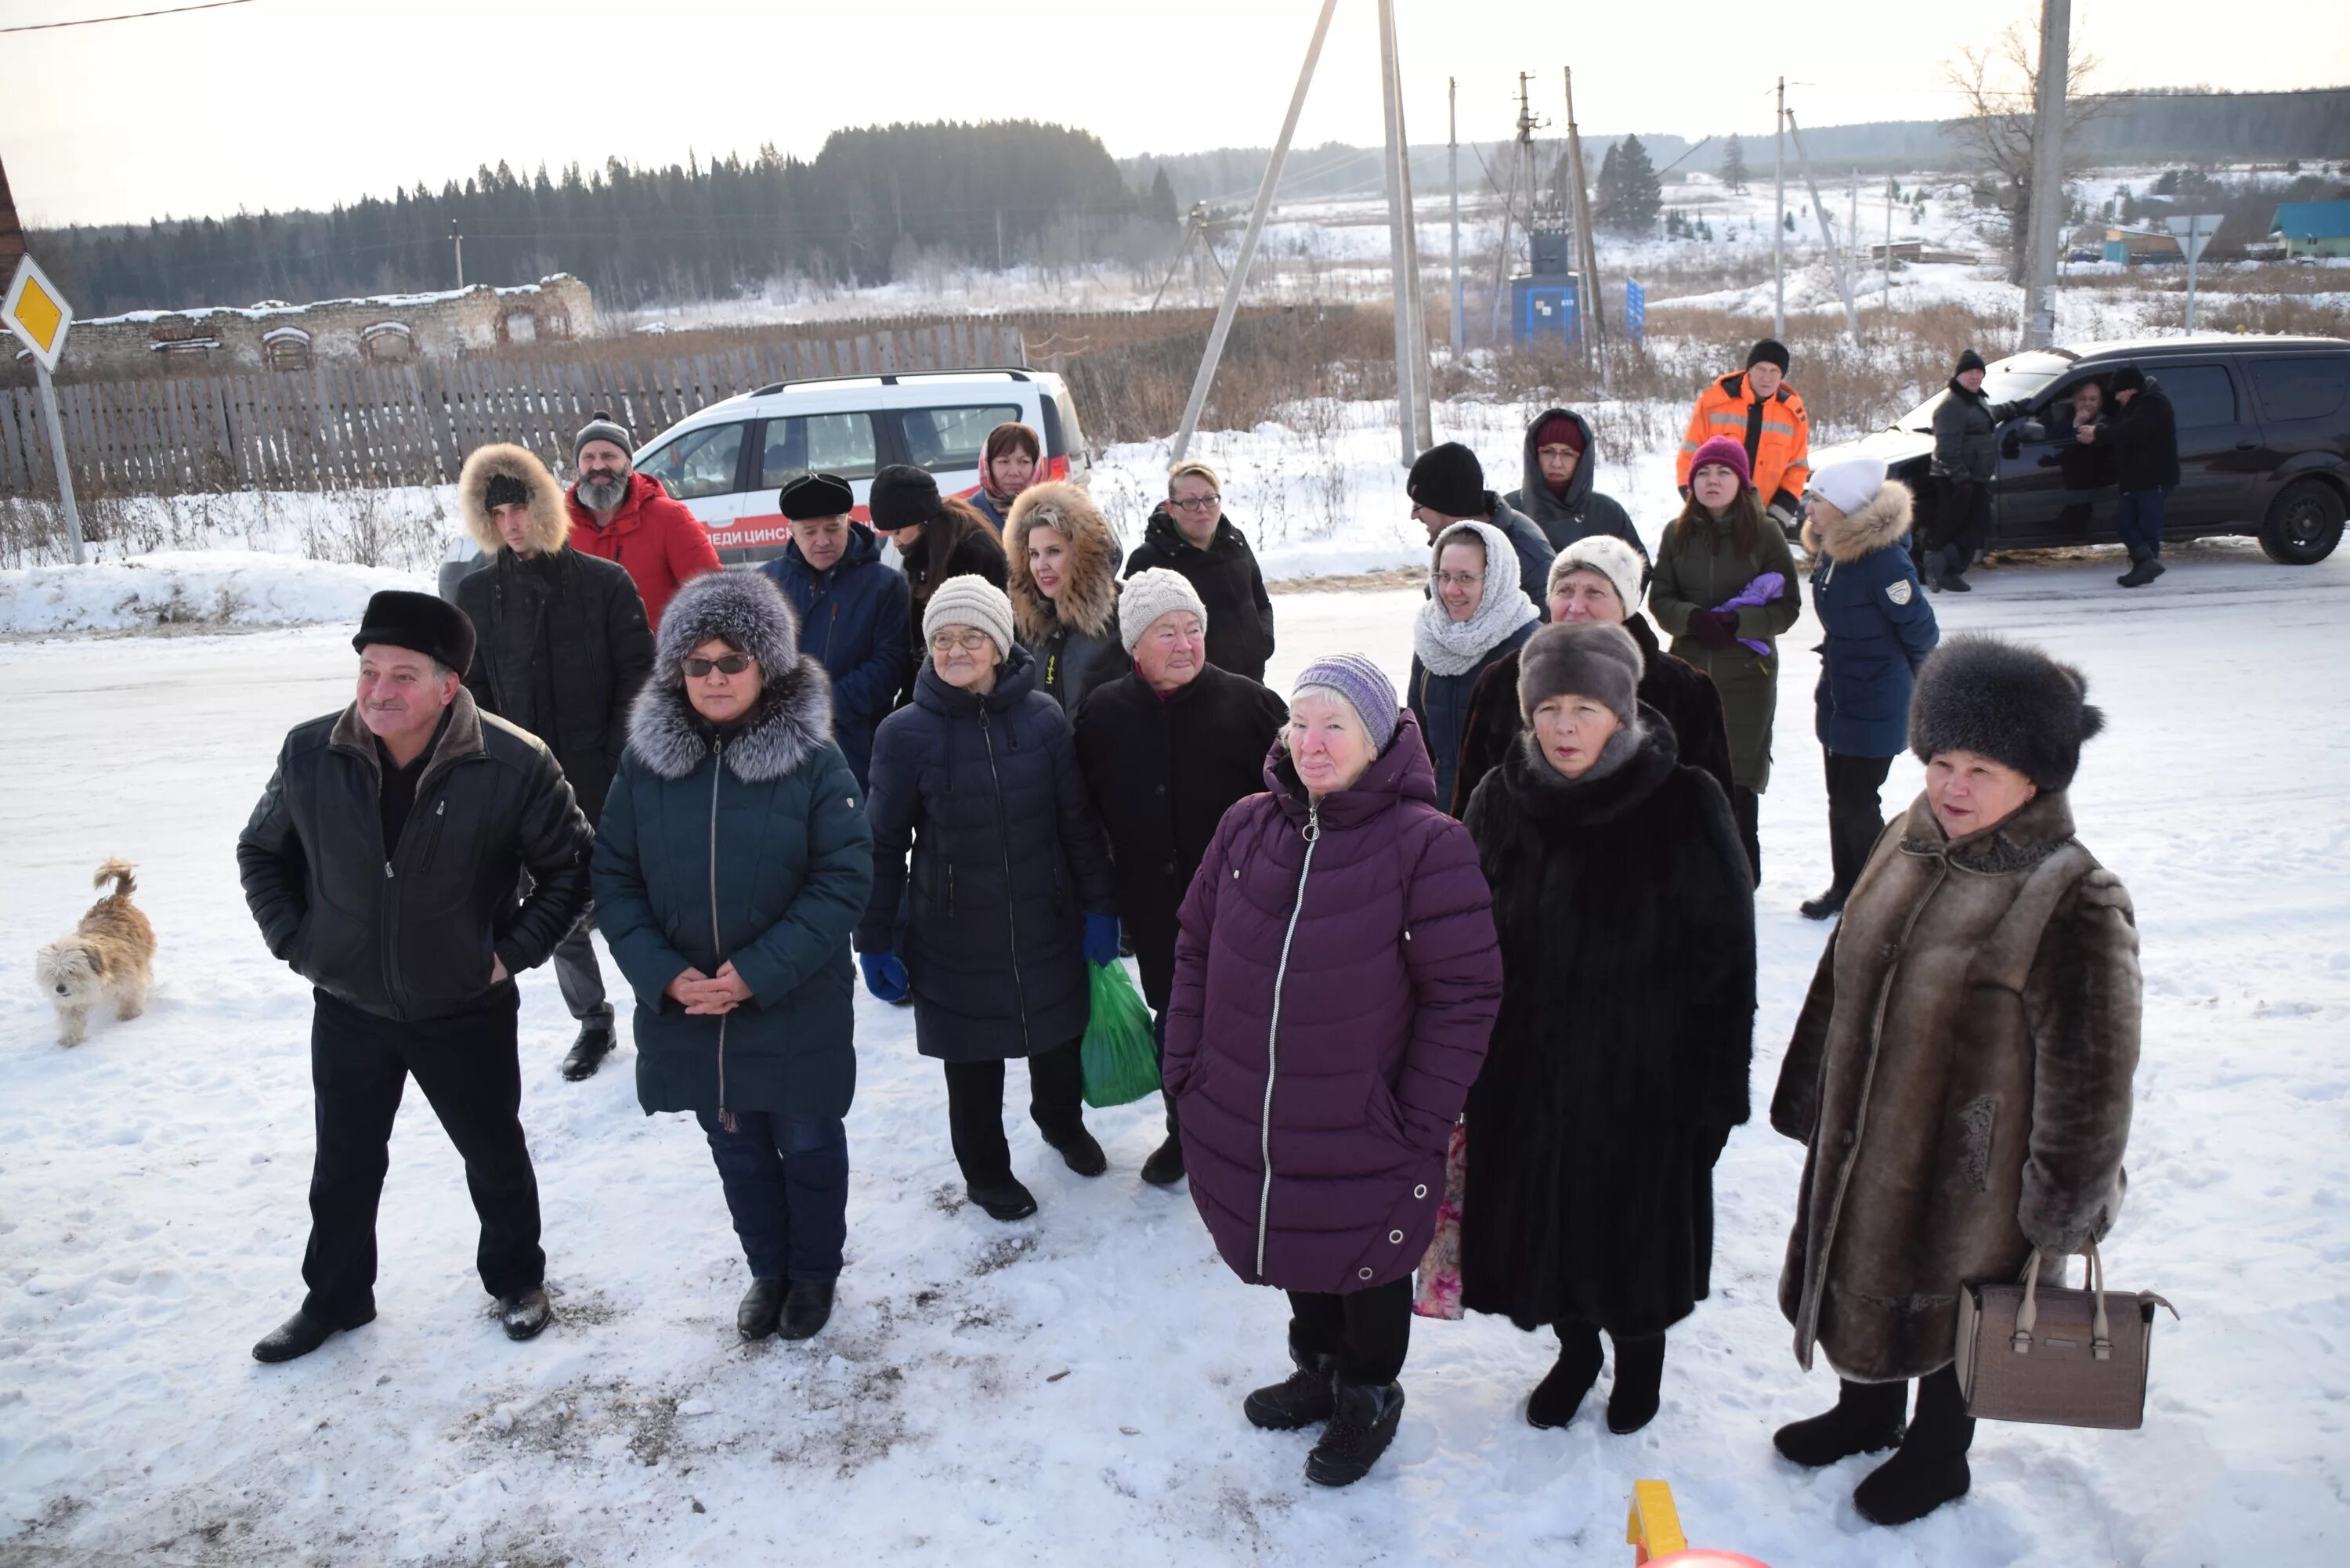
pixel 1148 595
pixel 1849 483
pixel 972 601
pixel 1608 555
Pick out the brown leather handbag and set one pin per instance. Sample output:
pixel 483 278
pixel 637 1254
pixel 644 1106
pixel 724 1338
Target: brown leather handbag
pixel 2051 1354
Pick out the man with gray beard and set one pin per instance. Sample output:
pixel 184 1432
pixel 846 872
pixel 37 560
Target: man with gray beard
pixel 621 515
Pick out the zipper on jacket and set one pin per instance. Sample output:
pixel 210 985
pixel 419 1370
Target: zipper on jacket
pixel 950 889
pixel 1272 1032
pixel 717 953
pixel 1011 916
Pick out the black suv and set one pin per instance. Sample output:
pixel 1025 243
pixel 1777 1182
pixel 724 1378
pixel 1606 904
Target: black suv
pixel 2264 443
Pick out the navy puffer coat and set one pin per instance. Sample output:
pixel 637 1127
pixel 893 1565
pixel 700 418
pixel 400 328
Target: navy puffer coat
pixel 856 620
pixel 1007 862
pixel 1878 623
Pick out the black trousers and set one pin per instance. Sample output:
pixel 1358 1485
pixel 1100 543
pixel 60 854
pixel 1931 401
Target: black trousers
pixel 1057 1101
pixel 1367 1332
pixel 1746 805
pixel 466 1065
pixel 1159 1041
pixel 1961 517
pixel 1856 816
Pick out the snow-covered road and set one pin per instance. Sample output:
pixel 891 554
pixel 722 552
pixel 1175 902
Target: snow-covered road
pixel 1066 1390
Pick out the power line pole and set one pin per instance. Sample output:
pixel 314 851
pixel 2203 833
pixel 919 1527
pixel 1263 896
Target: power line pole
pixel 1852 224
pixel 458 240
pixel 1889 245
pixel 1232 302
pixel 1587 249
pixel 1521 156
pixel 1827 234
pixel 1399 254
pixel 2048 172
pixel 1423 428
pixel 1452 145
pixel 1779 217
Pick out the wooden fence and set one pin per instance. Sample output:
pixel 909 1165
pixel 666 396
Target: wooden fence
pixel 371 426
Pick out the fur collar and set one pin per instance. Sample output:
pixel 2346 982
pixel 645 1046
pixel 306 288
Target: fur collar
pixel 2043 827
pixel 792 722
pixel 550 519
pixel 1628 770
pixel 1088 601
pixel 460 735
pixel 1882 520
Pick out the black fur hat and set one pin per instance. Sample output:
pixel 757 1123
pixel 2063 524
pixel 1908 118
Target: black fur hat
pixel 421 623
pixel 747 608
pixel 2007 701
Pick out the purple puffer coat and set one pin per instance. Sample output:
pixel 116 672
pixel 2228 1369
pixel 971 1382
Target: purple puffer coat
pixel 1333 996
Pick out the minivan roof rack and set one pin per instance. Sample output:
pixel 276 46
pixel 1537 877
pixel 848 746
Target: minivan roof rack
pixel 894 377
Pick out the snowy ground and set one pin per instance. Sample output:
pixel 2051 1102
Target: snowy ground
pixel 1066 1390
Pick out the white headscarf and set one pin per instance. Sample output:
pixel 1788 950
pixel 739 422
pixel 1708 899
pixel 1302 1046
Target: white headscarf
pixel 1449 647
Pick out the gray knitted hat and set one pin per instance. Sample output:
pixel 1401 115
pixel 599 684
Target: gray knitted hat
pixel 1150 595
pixel 970 600
pixel 1366 689
pixel 603 427
pixel 1582 658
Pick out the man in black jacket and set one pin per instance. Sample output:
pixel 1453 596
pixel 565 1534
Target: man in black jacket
pixel 1446 485
pixel 2143 436
pixel 1190 535
pixel 1966 460
pixel 382 864
pixel 1165 749
pixel 561 646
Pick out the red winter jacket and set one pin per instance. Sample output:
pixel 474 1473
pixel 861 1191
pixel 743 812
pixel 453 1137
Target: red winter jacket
pixel 1378 955
pixel 661 546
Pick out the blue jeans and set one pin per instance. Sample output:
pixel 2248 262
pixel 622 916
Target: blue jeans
pixel 786 1181
pixel 2138 518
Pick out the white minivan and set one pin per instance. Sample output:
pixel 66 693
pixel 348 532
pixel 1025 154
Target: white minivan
pixel 727 462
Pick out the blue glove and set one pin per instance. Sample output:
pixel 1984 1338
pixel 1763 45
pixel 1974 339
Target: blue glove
pixel 1101 938
pixel 885 976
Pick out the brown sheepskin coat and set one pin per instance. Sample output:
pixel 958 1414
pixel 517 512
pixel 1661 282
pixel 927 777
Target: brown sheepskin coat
pixel 1960 1074
pixel 1074 636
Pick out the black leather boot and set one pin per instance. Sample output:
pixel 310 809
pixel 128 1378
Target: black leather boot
pixel 1560 1394
pixel 299 1336
pixel 807 1307
pixel 1930 1468
pixel 1360 1428
pixel 1080 1152
pixel 525 1314
pixel 1632 1403
pixel 1826 906
pixel 761 1309
pixel 1299 1399
pixel 588 1052
pixel 1866 1417
pixel 1954 565
pixel 1006 1199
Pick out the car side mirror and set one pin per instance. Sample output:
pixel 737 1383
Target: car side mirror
pixel 2029 430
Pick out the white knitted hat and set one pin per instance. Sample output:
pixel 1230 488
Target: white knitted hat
pixel 970 600
pixel 1148 595
pixel 1608 555
pixel 1849 484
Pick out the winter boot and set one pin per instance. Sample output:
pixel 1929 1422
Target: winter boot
pixel 1360 1428
pixel 1826 906
pixel 1165 1166
pixel 1559 1395
pixel 1929 567
pixel 1080 1152
pixel 1930 1468
pixel 525 1314
pixel 1954 565
pixel 1299 1399
pixel 807 1307
pixel 1005 1199
pixel 588 1052
pixel 762 1308
pixel 1639 1379
pixel 1866 1417
pixel 2143 568
pixel 299 1336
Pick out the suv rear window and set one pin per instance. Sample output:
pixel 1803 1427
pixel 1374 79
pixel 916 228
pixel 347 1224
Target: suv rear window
pixel 826 443
pixel 2305 386
pixel 698 462
pixel 941 440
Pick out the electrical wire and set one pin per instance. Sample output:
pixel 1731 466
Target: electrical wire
pixel 126 17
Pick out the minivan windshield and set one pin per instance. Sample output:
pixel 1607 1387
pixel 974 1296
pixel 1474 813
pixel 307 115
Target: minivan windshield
pixel 2023 375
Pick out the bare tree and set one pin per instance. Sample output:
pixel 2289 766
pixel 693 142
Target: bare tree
pixel 2000 85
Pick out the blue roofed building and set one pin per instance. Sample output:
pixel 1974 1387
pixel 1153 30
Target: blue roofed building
pixel 2312 228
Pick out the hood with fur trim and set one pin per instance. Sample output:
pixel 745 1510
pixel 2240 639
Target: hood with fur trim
pixel 1884 521
pixel 1088 601
pixel 793 720
pixel 550 520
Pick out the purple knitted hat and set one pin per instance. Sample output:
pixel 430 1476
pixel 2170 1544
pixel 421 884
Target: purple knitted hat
pixel 1730 453
pixel 1367 691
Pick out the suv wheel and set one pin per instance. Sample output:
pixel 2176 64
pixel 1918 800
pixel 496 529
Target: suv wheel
pixel 2304 525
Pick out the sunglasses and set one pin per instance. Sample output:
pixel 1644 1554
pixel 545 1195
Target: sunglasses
pixel 727 664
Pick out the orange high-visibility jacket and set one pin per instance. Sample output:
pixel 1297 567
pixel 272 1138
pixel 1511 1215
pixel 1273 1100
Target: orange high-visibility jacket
pixel 1781 449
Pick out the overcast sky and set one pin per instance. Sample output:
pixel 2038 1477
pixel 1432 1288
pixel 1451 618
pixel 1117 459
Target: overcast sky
pixel 283 103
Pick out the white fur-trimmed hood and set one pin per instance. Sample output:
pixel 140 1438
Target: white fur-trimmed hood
pixel 550 520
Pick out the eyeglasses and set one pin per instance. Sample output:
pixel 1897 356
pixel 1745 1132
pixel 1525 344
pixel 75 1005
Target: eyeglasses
pixel 970 641
pixel 1459 579
pixel 1197 502
pixel 725 664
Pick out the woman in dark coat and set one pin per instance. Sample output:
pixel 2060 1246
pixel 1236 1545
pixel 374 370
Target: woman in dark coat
pixel 1960 1074
pixel 1556 491
pixel 1010 893
pixel 1336 977
pixel 1064 588
pixel 1597 578
pixel 1190 535
pixel 1878 629
pixel 936 536
pixel 1706 596
pixel 1618 1062
pixel 1474 617
pixel 731 864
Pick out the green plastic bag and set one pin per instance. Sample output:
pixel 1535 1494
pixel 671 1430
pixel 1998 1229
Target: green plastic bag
pixel 1121 1058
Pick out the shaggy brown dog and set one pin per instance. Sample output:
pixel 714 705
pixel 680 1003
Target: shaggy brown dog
pixel 110 953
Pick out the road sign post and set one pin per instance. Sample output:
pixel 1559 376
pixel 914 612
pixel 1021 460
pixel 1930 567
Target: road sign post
pixel 39 314
pixel 2194 232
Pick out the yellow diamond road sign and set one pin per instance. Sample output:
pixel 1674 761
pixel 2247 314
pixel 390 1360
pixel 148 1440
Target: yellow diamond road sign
pixel 36 312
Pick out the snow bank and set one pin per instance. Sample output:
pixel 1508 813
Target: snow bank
pixel 190 589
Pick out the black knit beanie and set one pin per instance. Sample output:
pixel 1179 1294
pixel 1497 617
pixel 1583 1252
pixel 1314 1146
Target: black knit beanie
pixel 1449 479
pixel 902 495
pixel 1969 360
pixel 1769 351
pixel 504 489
